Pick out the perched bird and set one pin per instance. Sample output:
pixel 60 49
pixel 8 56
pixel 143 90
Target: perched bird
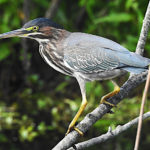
pixel 83 56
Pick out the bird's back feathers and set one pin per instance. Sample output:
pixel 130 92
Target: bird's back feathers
pixel 89 53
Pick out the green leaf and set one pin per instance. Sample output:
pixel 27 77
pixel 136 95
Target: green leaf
pixel 41 103
pixel 3 1
pixel 115 17
pixel 42 127
pixel 4 52
pixel 33 78
pixel 61 86
pixel 3 138
pixel 129 4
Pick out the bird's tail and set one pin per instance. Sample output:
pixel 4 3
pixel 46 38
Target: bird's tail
pixel 135 70
pixel 140 64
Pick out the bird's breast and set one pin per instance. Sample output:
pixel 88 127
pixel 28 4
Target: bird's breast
pixel 53 58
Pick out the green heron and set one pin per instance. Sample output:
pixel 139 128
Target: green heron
pixel 83 56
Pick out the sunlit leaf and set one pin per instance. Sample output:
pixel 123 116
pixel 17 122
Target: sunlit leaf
pixel 115 17
pixel 3 1
pixel 4 52
pixel 3 138
pixel 61 86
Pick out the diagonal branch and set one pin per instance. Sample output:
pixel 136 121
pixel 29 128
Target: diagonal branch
pixel 100 111
pixel 109 135
pixel 52 8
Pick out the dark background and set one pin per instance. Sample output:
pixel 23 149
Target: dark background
pixel 36 102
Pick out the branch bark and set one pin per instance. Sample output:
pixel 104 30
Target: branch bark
pixel 52 9
pixel 102 109
pixel 144 32
pixel 109 135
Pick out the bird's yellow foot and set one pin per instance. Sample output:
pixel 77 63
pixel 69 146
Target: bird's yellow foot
pixel 73 122
pixel 104 98
pixel 75 128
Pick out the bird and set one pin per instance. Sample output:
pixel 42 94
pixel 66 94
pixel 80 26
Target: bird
pixel 83 56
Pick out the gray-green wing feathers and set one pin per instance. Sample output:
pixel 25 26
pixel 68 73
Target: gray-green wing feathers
pixel 88 54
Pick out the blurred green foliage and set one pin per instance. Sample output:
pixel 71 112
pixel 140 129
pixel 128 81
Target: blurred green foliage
pixel 36 110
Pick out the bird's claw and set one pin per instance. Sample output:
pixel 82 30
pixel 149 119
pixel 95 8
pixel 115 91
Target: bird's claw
pixel 79 131
pixel 68 131
pixel 103 101
pixel 109 95
pixel 76 129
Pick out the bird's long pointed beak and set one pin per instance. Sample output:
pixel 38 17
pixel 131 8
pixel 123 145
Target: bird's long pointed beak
pixel 19 32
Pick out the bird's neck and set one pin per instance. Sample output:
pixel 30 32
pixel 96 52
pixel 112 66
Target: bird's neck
pixel 55 38
pixel 58 35
pixel 52 50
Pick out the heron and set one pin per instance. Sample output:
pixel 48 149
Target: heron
pixel 83 56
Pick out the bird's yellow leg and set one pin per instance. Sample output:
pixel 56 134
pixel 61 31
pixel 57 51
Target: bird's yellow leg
pixel 114 92
pixel 72 124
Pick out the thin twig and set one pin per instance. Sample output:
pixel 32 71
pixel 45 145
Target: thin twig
pixel 109 135
pixel 142 111
pixel 140 50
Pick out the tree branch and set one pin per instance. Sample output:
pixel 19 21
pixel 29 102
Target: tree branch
pixel 109 135
pixel 52 8
pixel 100 111
pixel 144 32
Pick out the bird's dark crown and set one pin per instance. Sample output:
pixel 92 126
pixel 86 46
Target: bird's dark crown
pixel 42 22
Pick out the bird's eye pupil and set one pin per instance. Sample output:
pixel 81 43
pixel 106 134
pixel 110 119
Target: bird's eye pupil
pixel 35 28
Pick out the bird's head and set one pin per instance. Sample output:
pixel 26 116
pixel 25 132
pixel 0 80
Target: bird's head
pixel 38 29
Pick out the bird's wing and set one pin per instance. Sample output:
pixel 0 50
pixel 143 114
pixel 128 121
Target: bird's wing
pixel 90 60
pixel 86 54
pixel 89 53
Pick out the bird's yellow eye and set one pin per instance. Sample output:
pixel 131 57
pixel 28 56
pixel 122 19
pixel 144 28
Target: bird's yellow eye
pixel 34 28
